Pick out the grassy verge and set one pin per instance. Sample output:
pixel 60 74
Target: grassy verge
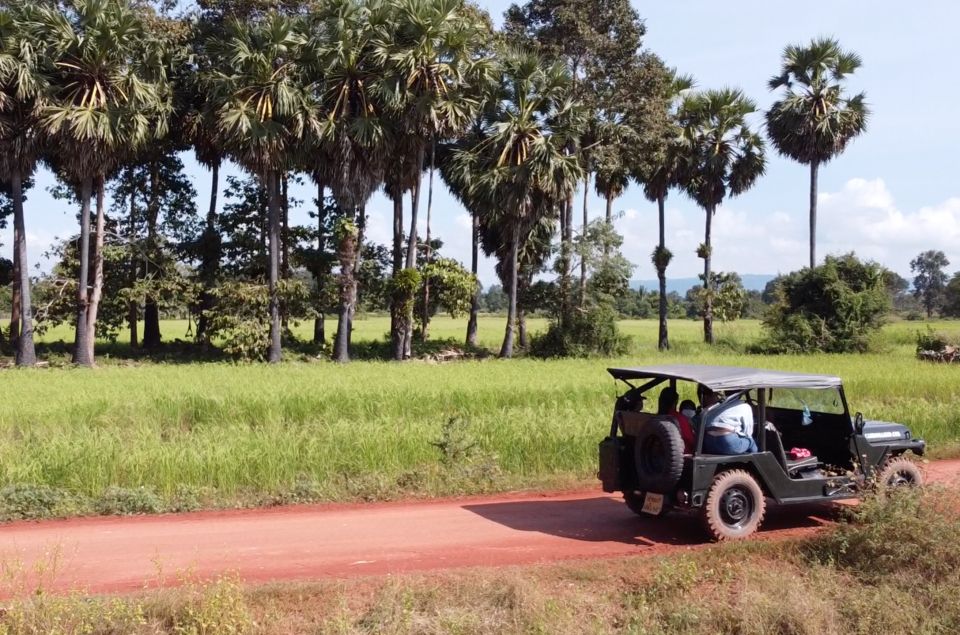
pixel 153 437
pixel 893 568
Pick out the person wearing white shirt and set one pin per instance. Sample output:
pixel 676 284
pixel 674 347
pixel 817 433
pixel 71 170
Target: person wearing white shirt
pixel 729 426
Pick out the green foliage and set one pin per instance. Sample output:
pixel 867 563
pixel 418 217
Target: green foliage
pixel 126 501
pixel 932 341
pixel 951 304
pixel 451 286
pixel 832 308
pixel 239 318
pixel 930 281
pixel 21 501
pixel 729 297
pixel 590 332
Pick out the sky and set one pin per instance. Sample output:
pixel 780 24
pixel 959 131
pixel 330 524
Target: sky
pixel 891 195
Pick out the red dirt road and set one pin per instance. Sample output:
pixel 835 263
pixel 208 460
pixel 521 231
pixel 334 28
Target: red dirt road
pixel 104 555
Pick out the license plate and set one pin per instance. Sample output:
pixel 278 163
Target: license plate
pixel 652 504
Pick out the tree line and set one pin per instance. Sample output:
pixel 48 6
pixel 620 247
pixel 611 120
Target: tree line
pixel 360 96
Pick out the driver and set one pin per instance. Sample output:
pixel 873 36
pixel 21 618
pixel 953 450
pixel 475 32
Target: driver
pixel 729 425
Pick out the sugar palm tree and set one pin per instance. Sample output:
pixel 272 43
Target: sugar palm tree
pixel 429 59
pixel 261 83
pixel 109 95
pixel 658 177
pixel 23 87
pixel 522 163
pixel 352 132
pixel 721 157
pixel 815 119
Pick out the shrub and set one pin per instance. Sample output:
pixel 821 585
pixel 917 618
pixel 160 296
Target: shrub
pixel 931 341
pixel 124 501
pixel 31 502
pixel 589 332
pixel 833 308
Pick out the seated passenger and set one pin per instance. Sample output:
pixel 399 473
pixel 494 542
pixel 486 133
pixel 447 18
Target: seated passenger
pixel 668 406
pixel 729 426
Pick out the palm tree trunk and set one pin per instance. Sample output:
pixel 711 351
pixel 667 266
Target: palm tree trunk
pixel 566 257
pixel 282 185
pixel 412 255
pixel 319 322
pixel 814 170
pixel 609 218
pixel 583 259
pixel 357 261
pixel 397 329
pixel 211 255
pixel 133 309
pixel 707 282
pixel 272 183
pixel 475 301
pixel 15 304
pixel 663 340
pixel 96 293
pixel 346 252
pixel 81 351
pixel 506 350
pixel 151 312
pixel 26 353
pixel 425 318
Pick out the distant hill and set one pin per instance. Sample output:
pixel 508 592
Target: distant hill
pixel 751 282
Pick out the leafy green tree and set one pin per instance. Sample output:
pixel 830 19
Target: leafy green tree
pixel 832 308
pixel 262 82
pixel 154 209
pixel 729 297
pixel 722 157
pixel 930 280
pixel 109 95
pixel 815 119
pixel 951 304
pixel 598 42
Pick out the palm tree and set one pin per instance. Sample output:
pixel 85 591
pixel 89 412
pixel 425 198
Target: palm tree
pixel 261 85
pixel 721 157
pixel 352 133
pixel 815 119
pixel 109 95
pixel 522 163
pixel 429 57
pixel 22 96
pixel 658 177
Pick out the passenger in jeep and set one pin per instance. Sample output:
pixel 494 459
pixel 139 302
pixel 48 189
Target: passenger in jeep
pixel 667 405
pixel 729 426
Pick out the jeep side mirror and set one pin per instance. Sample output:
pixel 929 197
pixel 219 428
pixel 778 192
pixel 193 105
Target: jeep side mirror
pixel 858 423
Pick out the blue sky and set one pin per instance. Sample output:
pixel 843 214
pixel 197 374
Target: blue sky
pixel 892 194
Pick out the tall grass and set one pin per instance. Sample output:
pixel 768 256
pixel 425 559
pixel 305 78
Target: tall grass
pixel 223 433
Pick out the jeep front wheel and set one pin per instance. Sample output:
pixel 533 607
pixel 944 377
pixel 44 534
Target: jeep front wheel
pixel 899 472
pixel 734 507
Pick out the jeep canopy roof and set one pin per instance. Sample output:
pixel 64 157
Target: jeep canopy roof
pixel 728 377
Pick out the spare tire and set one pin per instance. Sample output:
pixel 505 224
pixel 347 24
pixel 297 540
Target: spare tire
pixel 658 456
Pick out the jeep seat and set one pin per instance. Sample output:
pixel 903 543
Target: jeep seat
pixel 775 445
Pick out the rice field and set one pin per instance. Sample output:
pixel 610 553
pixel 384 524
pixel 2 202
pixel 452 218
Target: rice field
pixel 220 434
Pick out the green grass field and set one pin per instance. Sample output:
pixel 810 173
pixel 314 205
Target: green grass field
pixel 223 433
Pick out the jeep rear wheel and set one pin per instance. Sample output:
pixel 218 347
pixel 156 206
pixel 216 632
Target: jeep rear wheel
pixel 899 472
pixel 734 507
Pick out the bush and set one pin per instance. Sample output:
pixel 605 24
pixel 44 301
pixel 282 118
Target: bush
pixel 586 333
pixel 32 502
pixel 123 501
pixel 833 308
pixel 931 341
